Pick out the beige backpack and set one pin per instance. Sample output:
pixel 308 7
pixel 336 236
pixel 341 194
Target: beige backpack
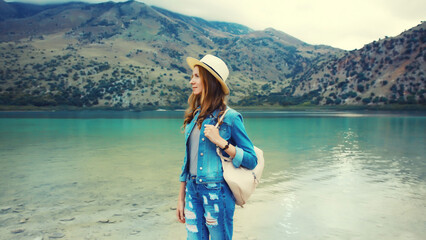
pixel 241 181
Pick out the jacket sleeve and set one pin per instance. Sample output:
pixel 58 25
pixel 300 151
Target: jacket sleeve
pixel 184 174
pixel 184 171
pixel 245 155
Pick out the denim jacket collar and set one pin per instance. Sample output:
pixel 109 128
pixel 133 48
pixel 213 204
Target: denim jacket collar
pixel 216 112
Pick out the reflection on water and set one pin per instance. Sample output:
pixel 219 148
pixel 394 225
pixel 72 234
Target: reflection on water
pixel 326 177
pixel 340 179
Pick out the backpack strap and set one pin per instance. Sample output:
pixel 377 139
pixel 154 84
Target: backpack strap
pixel 223 158
pixel 221 118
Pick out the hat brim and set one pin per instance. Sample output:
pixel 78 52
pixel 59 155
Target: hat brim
pixel 192 62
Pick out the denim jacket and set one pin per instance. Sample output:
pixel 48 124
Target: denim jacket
pixel 209 165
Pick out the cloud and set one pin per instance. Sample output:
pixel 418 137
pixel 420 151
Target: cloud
pixel 339 23
pixel 345 24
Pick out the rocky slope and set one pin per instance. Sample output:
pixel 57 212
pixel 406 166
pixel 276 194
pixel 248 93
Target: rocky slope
pixel 391 70
pixel 131 55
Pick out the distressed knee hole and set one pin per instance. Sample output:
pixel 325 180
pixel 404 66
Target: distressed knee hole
pixel 213 196
pixel 192 228
pixel 216 208
pixel 210 221
pixel 190 204
pixel 190 214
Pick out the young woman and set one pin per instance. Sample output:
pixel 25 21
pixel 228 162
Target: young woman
pixel 206 203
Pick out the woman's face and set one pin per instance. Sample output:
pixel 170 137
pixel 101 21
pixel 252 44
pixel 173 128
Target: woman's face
pixel 196 83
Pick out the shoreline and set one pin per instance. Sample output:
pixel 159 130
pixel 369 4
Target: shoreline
pixel 392 108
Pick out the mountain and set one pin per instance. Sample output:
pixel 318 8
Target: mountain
pixel 21 10
pixel 6 11
pixel 391 70
pixel 131 55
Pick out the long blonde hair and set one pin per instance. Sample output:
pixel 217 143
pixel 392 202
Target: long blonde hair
pixel 211 98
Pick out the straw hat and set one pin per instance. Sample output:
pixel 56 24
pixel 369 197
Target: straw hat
pixel 215 66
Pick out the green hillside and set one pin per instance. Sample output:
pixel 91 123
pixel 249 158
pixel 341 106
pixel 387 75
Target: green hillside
pixel 132 56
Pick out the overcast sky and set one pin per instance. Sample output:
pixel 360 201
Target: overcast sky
pixel 346 24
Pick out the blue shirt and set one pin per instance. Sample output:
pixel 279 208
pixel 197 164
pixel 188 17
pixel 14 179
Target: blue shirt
pixel 209 165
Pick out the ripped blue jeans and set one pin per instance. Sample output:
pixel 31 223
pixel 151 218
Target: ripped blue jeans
pixel 209 210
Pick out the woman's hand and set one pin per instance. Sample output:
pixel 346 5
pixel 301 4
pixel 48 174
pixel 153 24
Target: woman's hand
pixel 180 211
pixel 212 133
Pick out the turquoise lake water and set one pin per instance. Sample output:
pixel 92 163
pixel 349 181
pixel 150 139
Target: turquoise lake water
pixel 114 175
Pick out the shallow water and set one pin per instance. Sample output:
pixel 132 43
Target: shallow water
pixel 114 175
